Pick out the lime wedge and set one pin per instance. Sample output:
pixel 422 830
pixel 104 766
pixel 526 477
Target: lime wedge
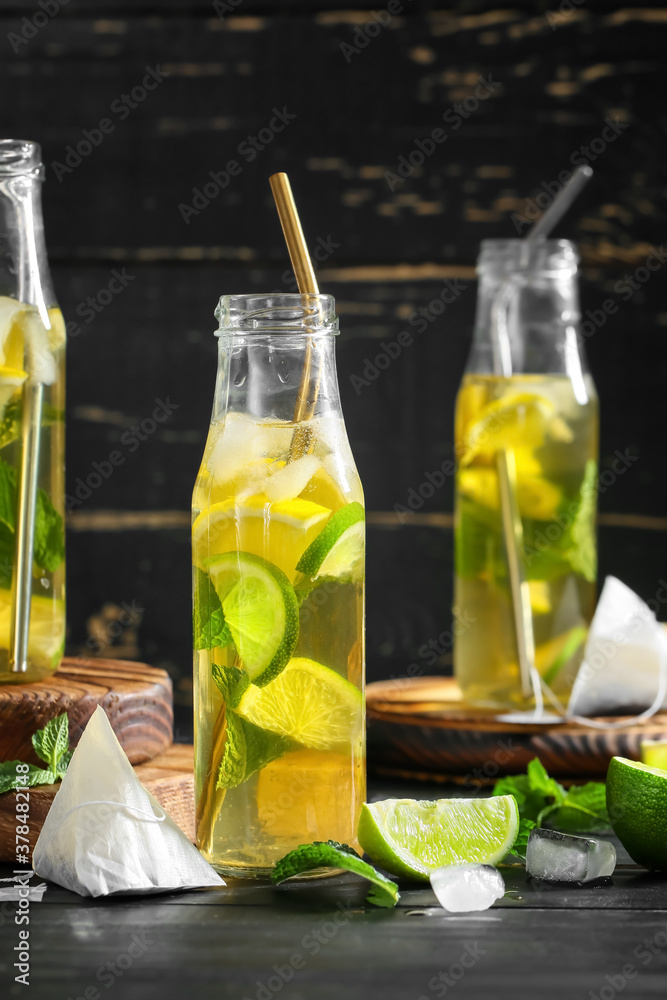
pixel 278 532
pixel 308 703
pixel 338 550
pixel 412 838
pixel 260 610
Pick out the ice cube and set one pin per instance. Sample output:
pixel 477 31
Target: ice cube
pixel 465 888
pixel 292 479
pixel 561 857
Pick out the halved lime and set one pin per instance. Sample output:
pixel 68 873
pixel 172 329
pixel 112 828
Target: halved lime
pixel 338 550
pixel 412 838
pixel 637 806
pixel 308 703
pixel 260 609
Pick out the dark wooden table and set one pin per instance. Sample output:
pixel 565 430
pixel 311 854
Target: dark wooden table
pixel 315 941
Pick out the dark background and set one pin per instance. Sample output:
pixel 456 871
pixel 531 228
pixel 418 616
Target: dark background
pixel 556 77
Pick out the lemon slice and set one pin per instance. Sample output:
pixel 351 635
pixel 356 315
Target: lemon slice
pixel 308 703
pixel 518 420
pixel 278 532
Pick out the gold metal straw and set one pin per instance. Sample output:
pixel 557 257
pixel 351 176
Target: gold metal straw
pixel 505 459
pixel 307 283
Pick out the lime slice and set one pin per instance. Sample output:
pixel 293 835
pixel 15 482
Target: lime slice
pixel 308 703
pixel 338 550
pixel 277 532
pixel 260 610
pixel 412 838
pixel 637 806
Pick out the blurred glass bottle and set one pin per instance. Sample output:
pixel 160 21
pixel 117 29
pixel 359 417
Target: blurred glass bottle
pixel 527 394
pixel 32 430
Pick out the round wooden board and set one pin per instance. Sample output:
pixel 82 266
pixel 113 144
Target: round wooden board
pixel 170 778
pixel 421 725
pixel 136 698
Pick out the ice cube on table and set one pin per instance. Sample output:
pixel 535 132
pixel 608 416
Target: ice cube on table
pixel 466 888
pixel 561 857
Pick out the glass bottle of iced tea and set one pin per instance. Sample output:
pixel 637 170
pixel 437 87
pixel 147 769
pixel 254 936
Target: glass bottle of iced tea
pixel 32 429
pixel 526 393
pixel 278 538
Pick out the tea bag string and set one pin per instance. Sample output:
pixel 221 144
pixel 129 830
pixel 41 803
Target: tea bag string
pixel 632 720
pixel 143 814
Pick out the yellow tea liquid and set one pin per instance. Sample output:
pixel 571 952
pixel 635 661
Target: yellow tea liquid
pixel 550 425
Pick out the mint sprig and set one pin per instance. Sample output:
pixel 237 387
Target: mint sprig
pixel 49 548
pixel 209 626
pixel 51 745
pixel 541 799
pixel 329 854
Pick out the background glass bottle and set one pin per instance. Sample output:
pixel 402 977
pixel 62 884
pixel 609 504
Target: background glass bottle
pixel 278 569
pixel 32 413
pixel 546 413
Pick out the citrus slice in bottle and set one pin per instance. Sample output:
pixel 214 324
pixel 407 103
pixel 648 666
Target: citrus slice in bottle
pixel 308 703
pixel 260 610
pixel 47 629
pixel 412 838
pixel 517 420
pixel 278 532
pixel 338 550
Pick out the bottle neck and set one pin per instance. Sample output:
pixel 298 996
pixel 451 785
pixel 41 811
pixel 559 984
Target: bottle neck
pixel 527 323
pixel 24 269
pixel 263 376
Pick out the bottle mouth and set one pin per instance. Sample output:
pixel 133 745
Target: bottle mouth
pixel 502 256
pixel 20 156
pixel 289 314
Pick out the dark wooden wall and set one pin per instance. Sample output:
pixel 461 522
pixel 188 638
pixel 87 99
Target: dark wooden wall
pixel 554 77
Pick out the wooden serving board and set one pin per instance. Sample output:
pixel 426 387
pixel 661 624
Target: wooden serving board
pixel 421 728
pixel 136 698
pixel 170 778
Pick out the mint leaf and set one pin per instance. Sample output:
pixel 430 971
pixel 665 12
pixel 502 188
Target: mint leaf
pixel 583 810
pixel 52 742
pixel 521 842
pixel 10 778
pixel 49 549
pixel 384 892
pixel 209 626
pixel 583 554
pixel 247 747
pixel 529 800
pixel 540 782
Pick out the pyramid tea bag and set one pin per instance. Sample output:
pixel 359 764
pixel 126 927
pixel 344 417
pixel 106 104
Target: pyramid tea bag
pixel 106 834
pixel 624 669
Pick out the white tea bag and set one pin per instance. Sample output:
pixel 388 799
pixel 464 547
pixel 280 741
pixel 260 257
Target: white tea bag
pixel 624 669
pixel 105 833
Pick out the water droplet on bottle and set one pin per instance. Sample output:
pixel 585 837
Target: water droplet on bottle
pixel 283 375
pixel 239 378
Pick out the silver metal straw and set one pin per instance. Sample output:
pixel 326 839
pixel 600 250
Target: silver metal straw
pixel 505 461
pixel 33 394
